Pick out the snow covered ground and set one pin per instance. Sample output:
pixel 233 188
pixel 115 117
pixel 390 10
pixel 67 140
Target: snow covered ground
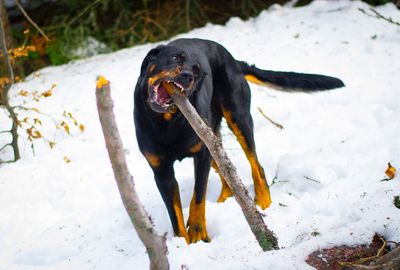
pixel 327 161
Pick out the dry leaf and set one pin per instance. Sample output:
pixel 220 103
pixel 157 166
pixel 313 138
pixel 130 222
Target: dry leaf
pixel 4 81
pixel 49 92
pixel 82 127
pixel 390 171
pixel 51 144
pixel 23 93
pixel 37 121
pixel 65 126
pixel 66 159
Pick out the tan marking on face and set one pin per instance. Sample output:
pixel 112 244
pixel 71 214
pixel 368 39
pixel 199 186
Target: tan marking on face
pixel 152 67
pixel 168 115
pixel 165 73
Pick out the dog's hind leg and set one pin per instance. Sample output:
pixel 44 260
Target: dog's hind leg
pixel 236 111
pixel 197 220
pixel 226 191
pixel 169 190
pixel 242 127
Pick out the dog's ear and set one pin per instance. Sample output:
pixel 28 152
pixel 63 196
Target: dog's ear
pixel 149 57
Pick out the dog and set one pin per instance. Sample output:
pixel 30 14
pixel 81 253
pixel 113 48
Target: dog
pixel 216 85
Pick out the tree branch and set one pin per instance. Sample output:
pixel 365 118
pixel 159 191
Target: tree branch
pixel 5 146
pixel 21 8
pixel 266 238
pixel 155 244
pixel 378 16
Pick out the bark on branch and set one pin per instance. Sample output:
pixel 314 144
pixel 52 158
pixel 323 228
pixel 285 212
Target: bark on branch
pixel 265 237
pixel 155 244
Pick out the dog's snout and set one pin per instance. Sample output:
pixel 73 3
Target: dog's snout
pixel 186 76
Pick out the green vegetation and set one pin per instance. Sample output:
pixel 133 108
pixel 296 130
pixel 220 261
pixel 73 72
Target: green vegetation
pixel 108 25
pixel 396 201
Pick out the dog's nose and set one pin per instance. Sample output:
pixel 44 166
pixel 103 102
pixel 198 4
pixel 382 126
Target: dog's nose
pixel 186 77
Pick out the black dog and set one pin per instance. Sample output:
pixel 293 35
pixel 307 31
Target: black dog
pixel 215 84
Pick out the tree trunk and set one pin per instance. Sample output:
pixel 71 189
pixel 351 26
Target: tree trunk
pixel 155 244
pixel 6 25
pixel 266 238
pixel 4 92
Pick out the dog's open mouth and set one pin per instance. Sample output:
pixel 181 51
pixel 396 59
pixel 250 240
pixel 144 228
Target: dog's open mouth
pixel 159 93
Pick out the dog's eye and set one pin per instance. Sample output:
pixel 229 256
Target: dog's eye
pixel 196 70
pixel 175 58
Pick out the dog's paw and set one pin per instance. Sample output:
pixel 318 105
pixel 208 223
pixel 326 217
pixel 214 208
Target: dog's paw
pixel 198 232
pixel 263 201
pixel 225 194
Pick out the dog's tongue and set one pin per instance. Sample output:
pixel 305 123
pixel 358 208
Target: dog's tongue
pixel 162 95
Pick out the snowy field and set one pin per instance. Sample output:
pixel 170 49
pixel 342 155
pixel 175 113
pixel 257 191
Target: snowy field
pixel 326 163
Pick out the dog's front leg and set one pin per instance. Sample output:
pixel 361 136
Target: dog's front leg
pixel 197 213
pixel 169 190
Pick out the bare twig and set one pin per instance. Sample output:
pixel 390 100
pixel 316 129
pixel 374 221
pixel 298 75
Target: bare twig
pixel 389 261
pixel 379 16
pixel 5 146
pixel 394 254
pixel 21 8
pixel 265 237
pixel 312 179
pixel 88 7
pixel 269 119
pixel 155 244
pixel 187 14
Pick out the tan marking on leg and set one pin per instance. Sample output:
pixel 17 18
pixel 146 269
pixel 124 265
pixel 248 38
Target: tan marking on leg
pixel 197 221
pixel 176 202
pixel 153 159
pixel 263 196
pixel 226 191
pixel 196 148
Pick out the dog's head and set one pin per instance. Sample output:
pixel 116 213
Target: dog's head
pixel 169 66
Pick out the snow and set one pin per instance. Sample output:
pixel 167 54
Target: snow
pixel 326 163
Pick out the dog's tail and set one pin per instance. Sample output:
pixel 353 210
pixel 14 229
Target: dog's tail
pixel 289 81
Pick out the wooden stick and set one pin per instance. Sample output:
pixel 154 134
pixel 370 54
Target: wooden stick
pixel 155 244
pixel 266 238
